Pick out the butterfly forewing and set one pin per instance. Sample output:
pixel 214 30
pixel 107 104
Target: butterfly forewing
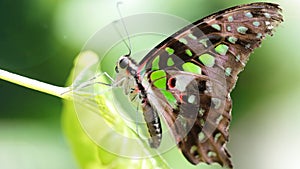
pixel 189 76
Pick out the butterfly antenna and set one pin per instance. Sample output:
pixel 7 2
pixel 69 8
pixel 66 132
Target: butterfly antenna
pixel 125 28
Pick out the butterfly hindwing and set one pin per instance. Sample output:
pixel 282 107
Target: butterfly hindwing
pixel 199 118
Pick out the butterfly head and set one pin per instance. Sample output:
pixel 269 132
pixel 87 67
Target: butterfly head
pixel 126 70
pixel 122 64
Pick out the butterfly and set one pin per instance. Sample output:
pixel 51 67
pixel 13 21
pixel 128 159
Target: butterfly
pixel 188 78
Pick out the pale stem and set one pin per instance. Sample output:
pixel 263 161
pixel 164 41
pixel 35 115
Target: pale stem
pixel 61 92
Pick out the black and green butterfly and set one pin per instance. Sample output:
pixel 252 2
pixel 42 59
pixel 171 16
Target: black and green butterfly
pixel 189 76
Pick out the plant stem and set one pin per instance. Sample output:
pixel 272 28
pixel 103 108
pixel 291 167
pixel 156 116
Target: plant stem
pixel 57 91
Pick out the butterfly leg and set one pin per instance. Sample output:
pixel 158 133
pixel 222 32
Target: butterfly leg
pixel 91 82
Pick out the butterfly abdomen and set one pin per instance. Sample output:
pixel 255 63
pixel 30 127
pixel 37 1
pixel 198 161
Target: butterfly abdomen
pixel 153 124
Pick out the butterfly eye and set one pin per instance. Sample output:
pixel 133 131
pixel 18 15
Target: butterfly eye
pixel 123 63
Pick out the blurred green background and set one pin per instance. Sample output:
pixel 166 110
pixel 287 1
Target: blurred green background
pixel 41 38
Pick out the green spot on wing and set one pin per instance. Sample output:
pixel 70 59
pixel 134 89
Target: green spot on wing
pixel 204 42
pixel 248 46
pixel 188 52
pixel 159 79
pixel 228 71
pixel 170 98
pixel 201 112
pixel 202 122
pixel 155 63
pixel 169 50
pixel 237 58
pixel 248 15
pixel 211 154
pixel 207 59
pixel 170 62
pixel 228 28
pixel 230 18
pixel 256 23
pixel 191 67
pixel 192 36
pixel 267 15
pixel 193 149
pixel 232 39
pixel 216 102
pixel 192 99
pixel 201 136
pixel 259 35
pixel 216 26
pixel 242 29
pixel 217 136
pixel 183 40
pixel 222 49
